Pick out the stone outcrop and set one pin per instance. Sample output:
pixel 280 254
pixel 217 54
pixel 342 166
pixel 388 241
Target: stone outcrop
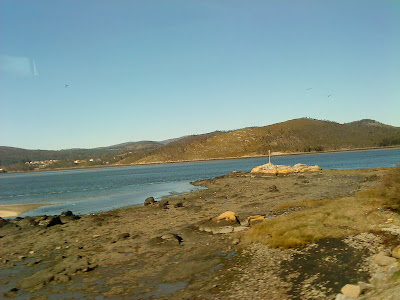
pixel 271 169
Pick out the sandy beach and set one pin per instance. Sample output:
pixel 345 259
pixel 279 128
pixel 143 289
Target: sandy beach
pixel 15 210
pixel 169 250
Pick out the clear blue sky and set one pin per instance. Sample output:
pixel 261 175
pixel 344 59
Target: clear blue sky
pixel 154 70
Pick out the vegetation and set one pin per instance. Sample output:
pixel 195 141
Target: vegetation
pixel 329 218
pixel 338 218
pixel 390 189
pixel 300 135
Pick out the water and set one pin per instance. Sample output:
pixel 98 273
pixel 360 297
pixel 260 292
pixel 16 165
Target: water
pixel 91 190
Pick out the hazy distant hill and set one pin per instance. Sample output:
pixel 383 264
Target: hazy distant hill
pixel 12 155
pixel 299 135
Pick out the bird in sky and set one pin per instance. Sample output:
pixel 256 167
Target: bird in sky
pixel 329 95
pixel 308 89
pixel 67 85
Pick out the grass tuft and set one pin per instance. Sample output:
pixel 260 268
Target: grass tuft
pixel 301 204
pixel 390 189
pixel 334 219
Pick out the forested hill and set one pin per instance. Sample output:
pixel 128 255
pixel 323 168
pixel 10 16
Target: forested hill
pixel 298 135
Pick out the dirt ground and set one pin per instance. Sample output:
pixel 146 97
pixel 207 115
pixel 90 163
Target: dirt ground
pixel 158 251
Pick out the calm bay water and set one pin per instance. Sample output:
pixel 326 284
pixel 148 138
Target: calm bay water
pixel 91 190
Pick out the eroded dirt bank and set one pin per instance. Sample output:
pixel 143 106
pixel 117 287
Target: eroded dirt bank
pixel 158 251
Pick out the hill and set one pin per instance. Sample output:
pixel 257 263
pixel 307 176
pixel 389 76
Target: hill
pixel 298 135
pixel 293 136
pixel 13 155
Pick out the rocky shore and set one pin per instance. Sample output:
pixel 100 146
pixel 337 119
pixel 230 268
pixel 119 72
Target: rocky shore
pixel 193 246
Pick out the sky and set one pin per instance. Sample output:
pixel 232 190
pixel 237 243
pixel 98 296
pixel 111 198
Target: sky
pixel 84 74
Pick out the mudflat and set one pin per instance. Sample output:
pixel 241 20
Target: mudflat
pixel 162 250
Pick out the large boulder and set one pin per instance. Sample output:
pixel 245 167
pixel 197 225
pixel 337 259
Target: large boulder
pixel 271 169
pixel 226 222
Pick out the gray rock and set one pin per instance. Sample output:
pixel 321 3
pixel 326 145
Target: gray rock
pixel 379 280
pixel 364 286
pixel 343 297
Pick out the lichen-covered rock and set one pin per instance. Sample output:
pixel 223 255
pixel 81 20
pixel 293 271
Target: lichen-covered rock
pixel 271 169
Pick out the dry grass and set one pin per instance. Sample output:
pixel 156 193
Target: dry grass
pixel 301 204
pixel 337 218
pixel 390 189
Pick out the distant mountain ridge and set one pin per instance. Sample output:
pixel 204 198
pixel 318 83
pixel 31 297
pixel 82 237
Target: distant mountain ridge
pixel 297 135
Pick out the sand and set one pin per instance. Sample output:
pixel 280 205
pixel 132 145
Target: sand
pixel 15 210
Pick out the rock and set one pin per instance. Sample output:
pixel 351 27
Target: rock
pixel 273 189
pixel 228 216
pixel 235 241
pixel 239 228
pixel 3 222
pixel 172 237
pixel 121 236
pixel 383 260
pixel 163 204
pixel 379 280
pixel 27 222
pixel 364 286
pixel 50 221
pixel 351 290
pixel 396 252
pixel 271 169
pixel 223 229
pixel 67 213
pixel 11 293
pixel 343 297
pixel 149 201
pixel 252 220
pixel 224 223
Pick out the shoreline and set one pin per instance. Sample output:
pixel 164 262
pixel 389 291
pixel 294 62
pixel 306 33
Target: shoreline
pixel 173 244
pixel 273 154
